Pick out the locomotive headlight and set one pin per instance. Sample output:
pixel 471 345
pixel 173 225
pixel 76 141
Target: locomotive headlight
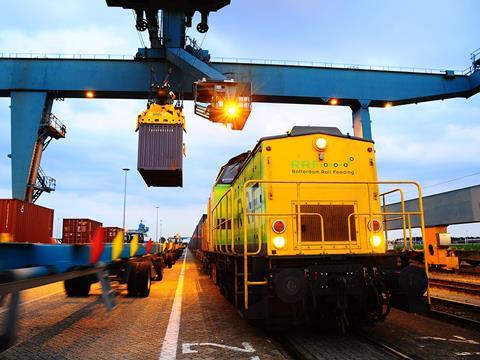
pixel 279 242
pixel 321 144
pixel 376 240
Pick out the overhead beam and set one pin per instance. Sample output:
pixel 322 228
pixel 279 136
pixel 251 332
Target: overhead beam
pixel 191 65
pixel 271 83
pixel 460 206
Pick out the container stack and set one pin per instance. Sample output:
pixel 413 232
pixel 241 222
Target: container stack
pixel 79 231
pixel 21 221
pixel 111 232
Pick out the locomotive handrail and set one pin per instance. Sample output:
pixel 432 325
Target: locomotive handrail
pixel 225 222
pixel 298 184
pixel 383 213
pixel 402 201
pixel 299 243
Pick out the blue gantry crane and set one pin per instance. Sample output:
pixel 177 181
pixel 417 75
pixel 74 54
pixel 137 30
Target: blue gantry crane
pixel 33 83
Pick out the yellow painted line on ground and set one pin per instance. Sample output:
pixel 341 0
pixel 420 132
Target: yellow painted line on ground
pixel 170 342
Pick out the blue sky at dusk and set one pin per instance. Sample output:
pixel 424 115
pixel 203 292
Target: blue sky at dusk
pixel 430 142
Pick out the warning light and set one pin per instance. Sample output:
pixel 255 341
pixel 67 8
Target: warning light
pixel 279 226
pixel 333 101
pixel 388 105
pixel 232 109
pixel 375 225
pixel 223 101
pixel 90 94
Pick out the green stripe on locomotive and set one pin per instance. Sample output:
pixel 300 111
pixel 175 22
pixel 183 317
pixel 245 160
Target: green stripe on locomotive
pixel 256 203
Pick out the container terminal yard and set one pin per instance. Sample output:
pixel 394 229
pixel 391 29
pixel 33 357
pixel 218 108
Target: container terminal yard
pixel 208 208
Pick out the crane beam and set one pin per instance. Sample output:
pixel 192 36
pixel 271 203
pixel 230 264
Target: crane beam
pixel 271 83
pixel 31 83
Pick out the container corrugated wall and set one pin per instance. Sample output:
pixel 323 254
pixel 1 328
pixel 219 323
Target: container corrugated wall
pixel 26 222
pixel 79 231
pixel 160 154
pixel 111 232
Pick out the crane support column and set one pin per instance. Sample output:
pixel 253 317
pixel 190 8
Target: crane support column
pixel 362 127
pixel 27 110
pixel 173 31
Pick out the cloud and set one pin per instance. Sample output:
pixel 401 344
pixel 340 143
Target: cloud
pixel 88 40
pixel 428 142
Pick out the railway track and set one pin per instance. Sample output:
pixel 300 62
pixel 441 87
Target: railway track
pixel 454 285
pixel 456 312
pixel 319 346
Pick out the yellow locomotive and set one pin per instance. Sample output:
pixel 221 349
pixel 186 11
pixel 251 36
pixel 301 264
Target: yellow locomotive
pixel 296 229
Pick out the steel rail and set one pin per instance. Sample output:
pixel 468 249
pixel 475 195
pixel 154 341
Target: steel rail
pixel 459 286
pixel 455 319
pixel 470 306
pixel 303 351
pixel 384 347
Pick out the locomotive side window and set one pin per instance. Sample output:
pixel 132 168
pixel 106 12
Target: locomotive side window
pixel 228 174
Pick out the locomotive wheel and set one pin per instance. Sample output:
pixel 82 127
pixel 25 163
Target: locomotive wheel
pixel 77 287
pixel 290 285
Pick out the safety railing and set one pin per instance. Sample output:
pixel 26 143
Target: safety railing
pixel 17 55
pixel 404 215
pixel 226 223
pixel 333 65
pixel 54 123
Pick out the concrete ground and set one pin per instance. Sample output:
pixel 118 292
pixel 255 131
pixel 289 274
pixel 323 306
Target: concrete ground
pixel 205 327
pixel 186 317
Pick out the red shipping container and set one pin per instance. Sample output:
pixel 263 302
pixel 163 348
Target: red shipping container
pixel 25 222
pixel 111 232
pixel 79 231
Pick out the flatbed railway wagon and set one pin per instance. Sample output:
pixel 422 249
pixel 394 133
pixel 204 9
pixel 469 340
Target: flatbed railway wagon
pixel 28 265
pixel 295 231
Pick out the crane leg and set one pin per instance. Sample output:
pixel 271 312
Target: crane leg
pixel 362 127
pixel 27 110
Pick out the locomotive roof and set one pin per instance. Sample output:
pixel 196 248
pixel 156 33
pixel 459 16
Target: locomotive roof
pixel 309 130
pixel 245 157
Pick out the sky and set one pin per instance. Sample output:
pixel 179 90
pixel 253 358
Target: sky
pixel 432 143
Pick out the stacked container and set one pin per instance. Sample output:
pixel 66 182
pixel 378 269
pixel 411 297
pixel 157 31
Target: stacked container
pixel 111 232
pixel 21 221
pixel 79 231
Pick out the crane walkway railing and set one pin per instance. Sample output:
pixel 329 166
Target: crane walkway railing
pixel 300 63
